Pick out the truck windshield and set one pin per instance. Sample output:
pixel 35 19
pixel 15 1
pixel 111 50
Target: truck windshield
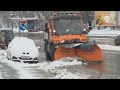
pixel 68 26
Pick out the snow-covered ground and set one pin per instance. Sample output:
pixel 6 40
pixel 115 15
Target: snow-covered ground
pixel 48 67
pixel 104 32
pixel 17 66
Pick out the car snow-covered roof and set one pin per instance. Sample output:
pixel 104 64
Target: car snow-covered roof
pixel 22 43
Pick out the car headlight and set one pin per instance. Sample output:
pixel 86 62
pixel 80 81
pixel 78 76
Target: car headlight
pixel 13 57
pixel 36 58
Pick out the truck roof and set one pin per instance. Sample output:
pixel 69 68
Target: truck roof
pixel 67 17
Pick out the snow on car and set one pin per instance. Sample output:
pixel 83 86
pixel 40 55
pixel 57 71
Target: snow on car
pixel 22 49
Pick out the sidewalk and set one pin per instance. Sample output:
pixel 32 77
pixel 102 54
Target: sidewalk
pixel 104 32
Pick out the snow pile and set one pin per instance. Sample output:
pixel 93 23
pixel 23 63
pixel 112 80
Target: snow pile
pixel 64 74
pixel 1 77
pixel 109 47
pixel 3 55
pixel 51 67
pixel 17 66
pixel 104 32
pixel 47 66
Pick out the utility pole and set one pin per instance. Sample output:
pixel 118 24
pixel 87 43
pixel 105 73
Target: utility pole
pixel 12 15
pixel 19 23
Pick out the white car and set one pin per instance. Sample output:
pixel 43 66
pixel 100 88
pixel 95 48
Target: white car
pixel 22 49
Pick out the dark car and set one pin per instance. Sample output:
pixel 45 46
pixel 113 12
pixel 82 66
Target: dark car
pixel 6 35
pixel 117 40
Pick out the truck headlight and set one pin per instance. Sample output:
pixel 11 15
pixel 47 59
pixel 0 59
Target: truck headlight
pixel 84 29
pixel 62 41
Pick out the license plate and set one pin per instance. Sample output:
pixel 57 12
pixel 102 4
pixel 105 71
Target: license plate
pixel 25 57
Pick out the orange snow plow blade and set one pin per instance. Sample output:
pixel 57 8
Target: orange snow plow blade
pixel 93 54
pixel 64 52
pixel 88 55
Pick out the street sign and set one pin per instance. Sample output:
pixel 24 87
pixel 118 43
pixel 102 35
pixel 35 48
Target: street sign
pixel 22 27
pixel 23 20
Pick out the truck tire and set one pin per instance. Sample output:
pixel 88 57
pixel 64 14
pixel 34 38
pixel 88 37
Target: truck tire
pixel 48 57
pixel 52 51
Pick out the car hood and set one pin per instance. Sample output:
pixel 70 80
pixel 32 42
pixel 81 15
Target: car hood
pixel 33 52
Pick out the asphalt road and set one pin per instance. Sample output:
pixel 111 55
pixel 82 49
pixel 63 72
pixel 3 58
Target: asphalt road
pixel 109 69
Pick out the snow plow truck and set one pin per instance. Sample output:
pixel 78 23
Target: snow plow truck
pixel 65 36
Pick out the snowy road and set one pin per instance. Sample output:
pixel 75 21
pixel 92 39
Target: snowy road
pixel 7 72
pixel 108 69
pixel 103 39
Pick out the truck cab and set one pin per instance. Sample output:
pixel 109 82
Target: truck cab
pixel 65 36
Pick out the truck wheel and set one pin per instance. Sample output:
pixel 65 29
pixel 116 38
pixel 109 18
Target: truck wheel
pixel 48 57
pixel 52 51
pixel 51 57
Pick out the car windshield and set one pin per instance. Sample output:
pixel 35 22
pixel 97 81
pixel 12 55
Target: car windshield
pixel 68 26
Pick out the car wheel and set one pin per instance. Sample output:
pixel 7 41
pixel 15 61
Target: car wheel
pixel 8 55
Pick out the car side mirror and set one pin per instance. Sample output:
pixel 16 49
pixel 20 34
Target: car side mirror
pixel 38 47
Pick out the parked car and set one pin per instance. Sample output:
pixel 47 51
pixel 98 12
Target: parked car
pixel 6 35
pixel 117 40
pixel 22 49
